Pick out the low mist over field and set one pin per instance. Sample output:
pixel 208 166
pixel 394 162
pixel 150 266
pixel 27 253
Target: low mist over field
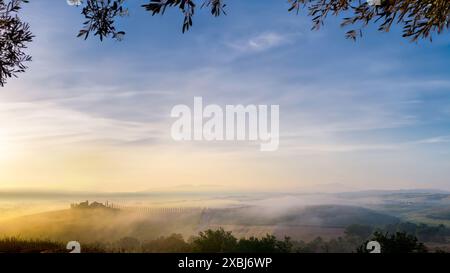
pixel 108 218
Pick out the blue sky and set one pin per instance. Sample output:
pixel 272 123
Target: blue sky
pixel 368 114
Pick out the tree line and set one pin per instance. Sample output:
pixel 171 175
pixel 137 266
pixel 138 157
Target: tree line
pixel 221 241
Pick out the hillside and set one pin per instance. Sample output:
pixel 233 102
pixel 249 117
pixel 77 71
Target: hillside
pixel 102 224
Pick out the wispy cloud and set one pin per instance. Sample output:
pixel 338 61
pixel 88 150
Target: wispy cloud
pixel 434 140
pixel 340 148
pixel 262 42
pixel 50 123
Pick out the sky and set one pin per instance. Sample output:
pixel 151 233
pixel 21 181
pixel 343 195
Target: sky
pixel 95 116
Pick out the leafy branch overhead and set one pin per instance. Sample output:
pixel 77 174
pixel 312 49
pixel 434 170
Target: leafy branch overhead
pixel 419 19
pixel 14 36
pixel 187 7
pixel 100 17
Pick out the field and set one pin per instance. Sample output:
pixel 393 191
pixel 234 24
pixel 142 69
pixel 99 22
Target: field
pixel 306 218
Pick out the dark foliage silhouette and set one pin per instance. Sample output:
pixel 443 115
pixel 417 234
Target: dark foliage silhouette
pixel 14 37
pixel 100 18
pixel 419 18
pixel 215 241
pixel 171 244
pixel 267 244
pixel 187 7
pixel 400 242
pixel 221 241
